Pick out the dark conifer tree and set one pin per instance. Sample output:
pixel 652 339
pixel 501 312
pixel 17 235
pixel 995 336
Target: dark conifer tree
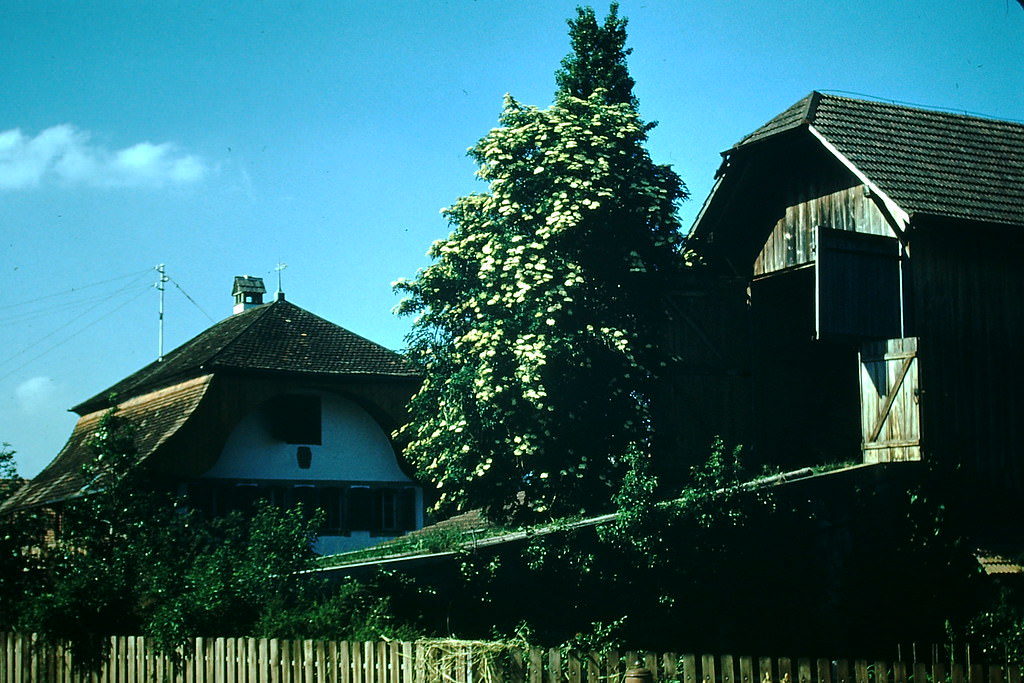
pixel 598 58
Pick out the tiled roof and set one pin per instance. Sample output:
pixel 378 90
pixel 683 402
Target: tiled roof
pixel 928 162
pixel 155 416
pixel 275 337
pixel 993 563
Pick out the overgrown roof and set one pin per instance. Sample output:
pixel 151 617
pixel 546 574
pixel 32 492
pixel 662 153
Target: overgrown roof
pixel 275 337
pixel 929 162
pixel 472 530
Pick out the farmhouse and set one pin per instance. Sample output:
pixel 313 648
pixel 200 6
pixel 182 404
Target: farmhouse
pixel 859 293
pixel 272 402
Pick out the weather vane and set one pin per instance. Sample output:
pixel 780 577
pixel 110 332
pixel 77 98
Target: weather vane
pixel 279 267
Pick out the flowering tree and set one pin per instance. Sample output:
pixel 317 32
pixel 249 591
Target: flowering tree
pixel 534 327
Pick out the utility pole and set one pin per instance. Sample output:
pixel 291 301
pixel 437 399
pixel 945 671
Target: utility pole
pixel 160 287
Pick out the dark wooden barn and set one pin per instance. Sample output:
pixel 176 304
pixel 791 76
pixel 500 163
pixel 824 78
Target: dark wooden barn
pixel 860 293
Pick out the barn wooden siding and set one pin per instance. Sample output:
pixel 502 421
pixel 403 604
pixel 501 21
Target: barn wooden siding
pixel 707 392
pixel 791 242
pixel 968 310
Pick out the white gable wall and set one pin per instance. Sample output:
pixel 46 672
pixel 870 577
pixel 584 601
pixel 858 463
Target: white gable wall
pixel 354 448
pixel 354 452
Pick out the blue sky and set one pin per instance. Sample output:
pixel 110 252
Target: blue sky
pixel 223 138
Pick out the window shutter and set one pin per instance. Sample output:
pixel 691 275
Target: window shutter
pixel 857 285
pixel 360 509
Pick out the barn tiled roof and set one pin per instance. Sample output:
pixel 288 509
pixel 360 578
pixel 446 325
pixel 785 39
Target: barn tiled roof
pixel 154 416
pixel 929 162
pixel 275 337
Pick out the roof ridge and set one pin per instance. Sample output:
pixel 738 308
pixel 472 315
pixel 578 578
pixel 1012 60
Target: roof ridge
pixel 796 116
pixel 860 98
pixel 813 100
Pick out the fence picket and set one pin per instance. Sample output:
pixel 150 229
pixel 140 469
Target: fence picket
pixel 650 661
pixel 746 672
pixel 670 665
pixel 843 671
pixel 860 671
pixel 899 672
pixel 707 668
pixel 803 670
pixel 881 672
pixel 824 671
pixel 358 672
pixel 613 666
pixel 728 674
pixel 554 665
pixel 689 668
pixel 785 670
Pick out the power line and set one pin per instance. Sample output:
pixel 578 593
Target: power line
pixel 70 322
pixel 173 282
pixel 69 337
pixel 66 292
pixel 73 300
pixel 62 306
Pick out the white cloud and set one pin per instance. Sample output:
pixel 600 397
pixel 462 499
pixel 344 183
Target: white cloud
pixel 67 155
pixel 35 394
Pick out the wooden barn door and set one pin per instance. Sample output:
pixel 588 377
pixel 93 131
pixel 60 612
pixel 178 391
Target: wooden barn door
pixel 889 407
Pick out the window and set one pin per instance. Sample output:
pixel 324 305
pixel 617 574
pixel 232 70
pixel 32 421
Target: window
pixel 360 508
pixel 307 496
pixel 407 509
pixel 332 501
pixel 379 509
pixel 295 419
pixel 386 509
pixel 245 497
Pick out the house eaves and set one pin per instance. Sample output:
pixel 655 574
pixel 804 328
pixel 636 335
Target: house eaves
pixel 155 416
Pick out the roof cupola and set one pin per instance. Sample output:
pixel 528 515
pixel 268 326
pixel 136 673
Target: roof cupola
pixel 248 292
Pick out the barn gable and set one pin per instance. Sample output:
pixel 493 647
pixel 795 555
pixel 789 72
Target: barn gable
pixel 878 248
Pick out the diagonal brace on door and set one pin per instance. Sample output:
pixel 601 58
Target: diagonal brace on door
pixel 890 399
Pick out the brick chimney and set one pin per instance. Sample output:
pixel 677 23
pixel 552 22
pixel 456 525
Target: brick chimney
pixel 248 292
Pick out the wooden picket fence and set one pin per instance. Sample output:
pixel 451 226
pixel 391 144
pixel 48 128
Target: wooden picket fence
pixel 25 659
